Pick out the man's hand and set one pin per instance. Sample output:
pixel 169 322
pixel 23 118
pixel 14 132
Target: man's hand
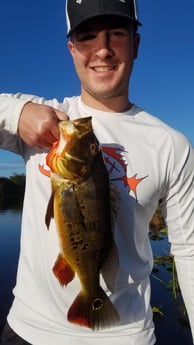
pixel 38 124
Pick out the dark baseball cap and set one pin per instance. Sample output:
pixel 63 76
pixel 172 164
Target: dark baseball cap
pixel 78 11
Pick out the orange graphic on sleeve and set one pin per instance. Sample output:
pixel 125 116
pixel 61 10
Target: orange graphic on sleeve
pixel 115 161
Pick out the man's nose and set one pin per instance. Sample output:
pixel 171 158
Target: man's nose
pixel 103 46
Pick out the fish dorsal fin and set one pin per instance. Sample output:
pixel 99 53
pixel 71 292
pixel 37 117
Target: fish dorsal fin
pixel 111 265
pixel 110 268
pixel 114 202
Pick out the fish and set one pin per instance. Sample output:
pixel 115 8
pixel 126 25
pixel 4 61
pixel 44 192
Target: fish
pixel 81 207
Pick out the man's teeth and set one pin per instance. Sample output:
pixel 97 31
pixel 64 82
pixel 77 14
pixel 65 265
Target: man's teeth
pixel 103 69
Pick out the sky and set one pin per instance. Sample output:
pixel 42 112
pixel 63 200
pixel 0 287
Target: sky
pixel 34 59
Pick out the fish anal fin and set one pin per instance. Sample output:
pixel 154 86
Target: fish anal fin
pixel 95 312
pixel 62 271
pixel 50 211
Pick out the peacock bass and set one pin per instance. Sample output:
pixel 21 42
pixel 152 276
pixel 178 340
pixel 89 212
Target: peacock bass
pixel 81 207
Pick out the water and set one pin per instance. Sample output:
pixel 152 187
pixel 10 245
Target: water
pixel 173 326
pixel 9 251
pixel 169 329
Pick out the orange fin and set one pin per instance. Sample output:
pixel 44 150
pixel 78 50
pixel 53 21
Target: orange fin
pixel 63 271
pixel 95 312
pixel 50 211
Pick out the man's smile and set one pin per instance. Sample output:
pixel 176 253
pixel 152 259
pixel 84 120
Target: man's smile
pixel 103 68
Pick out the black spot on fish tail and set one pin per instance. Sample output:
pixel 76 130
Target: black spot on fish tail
pixel 97 304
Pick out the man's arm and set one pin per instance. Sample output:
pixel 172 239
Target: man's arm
pixel 33 118
pixel 179 212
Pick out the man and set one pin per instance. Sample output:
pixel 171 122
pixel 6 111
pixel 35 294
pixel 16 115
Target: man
pixel 148 162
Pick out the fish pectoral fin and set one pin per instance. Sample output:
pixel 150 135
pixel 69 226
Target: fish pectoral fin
pixel 62 271
pixel 95 312
pixel 50 211
pixel 71 208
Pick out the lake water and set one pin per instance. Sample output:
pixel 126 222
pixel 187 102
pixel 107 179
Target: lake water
pixel 170 327
pixel 9 251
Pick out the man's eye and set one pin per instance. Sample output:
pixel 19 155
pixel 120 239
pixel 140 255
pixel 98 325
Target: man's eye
pixel 118 33
pixel 85 37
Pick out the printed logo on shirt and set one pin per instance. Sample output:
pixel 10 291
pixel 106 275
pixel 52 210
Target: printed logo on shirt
pixel 117 169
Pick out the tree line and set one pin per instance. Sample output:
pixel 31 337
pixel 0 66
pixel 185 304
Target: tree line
pixel 12 191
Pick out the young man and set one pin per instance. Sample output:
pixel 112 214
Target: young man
pixel 149 163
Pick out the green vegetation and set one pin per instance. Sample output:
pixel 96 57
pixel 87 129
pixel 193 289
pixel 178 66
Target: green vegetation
pixel 165 274
pixel 12 192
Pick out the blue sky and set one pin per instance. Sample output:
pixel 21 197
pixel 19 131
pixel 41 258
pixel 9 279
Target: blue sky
pixel 34 59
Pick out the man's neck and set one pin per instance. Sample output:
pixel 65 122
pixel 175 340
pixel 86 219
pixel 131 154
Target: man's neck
pixel 116 105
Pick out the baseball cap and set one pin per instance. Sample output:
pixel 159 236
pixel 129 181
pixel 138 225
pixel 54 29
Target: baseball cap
pixel 78 11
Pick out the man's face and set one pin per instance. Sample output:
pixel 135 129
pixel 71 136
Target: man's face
pixel 103 51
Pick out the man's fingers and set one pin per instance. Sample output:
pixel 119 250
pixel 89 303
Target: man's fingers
pixel 54 130
pixel 61 115
pixel 38 124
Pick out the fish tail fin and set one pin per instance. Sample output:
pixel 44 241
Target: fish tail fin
pixel 96 312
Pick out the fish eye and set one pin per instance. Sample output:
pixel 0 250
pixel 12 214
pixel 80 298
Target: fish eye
pixel 93 149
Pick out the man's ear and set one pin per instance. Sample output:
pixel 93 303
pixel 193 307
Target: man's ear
pixel 71 48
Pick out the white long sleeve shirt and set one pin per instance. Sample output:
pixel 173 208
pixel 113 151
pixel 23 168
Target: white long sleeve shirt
pixel 151 164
